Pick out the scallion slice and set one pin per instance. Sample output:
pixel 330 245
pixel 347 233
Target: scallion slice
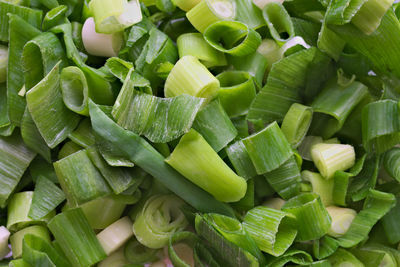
pixel 296 123
pixel 17 238
pixel 114 236
pixel 341 220
pixel 4 235
pixel 3 63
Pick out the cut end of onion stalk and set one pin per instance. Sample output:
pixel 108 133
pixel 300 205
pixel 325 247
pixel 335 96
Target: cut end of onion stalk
pixel 330 158
pixel 209 11
pixel 4 235
pixel 262 3
pixel 115 235
pixel 191 77
pixel 341 220
pixel 98 44
pixel 3 63
pixel 186 5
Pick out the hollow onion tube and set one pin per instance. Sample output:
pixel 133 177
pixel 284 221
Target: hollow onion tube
pixel 100 44
pixel 191 77
pixel 207 12
pixel 296 123
pixel 320 186
pixel 313 220
pixel 17 238
pixel 193 44
pixel 136 253
pixel 113 16
pixel 232 37
pixel 278 21
pixel 330 158
pixel 195 159
pixel 4 235
pixel 186 5
pixel 237 92
pixel 160 218
pixel 274 231
pixel 341 220
pixel 3 63
pixel 115 235
pixel 180 248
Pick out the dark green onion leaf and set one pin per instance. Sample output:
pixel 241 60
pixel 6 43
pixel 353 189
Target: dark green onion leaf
pixel 76 238
pixel 248 13
pixel 55 16
pixel 255 64
pixel 324 247
pixel 16 240
pixel 15 158
pixel 344 257
pixel 241 160
pixel 119 67
pixel 83 134
pixel 391 224
pixel 391 162
pixel 295 256
pixel 136 253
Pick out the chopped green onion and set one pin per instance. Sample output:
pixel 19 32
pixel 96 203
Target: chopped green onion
pixel 186 5
pixel 279 22
pixel 390 223
pixel 262 3
pixel 232 37
pixel 17 238
pixel 114 260
pixel 249 14
pixel 255 64
pixel 241 160
pixel 313 220
pixel 271 51
pixel 320 186
pixel 193 44
pixel 115 235
pixel 274 203
pixel 191 77
pixel 325 247
pixel 273 230
pixel 68 148
pixel 100 44
pixel 180 248
pixel 76 238
pixel 119 67
pixel 330 158
pixel 159 219
pixel 296 123
pixel 3 63
pixel 268 149
pixel 305 146
pixel 341 220
pixel 195 159
pixel 4 235
pixel 207 12
pixel 391 162
pixel 115 15
pixel 83 134
pixel 136 253
pixel 344 258
pixel 298 257
pixel 54 16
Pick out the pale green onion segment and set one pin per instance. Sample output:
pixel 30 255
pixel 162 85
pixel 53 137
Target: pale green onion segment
pixel 262 3
pixel 3 63
pixel 296 123
pixel 115 15
pixel 209 11
pixel 320 186
pixel 195 159
pixel 186 5
pixel 341 220
pixel 100 44
pixel 115 235
pixel 159 219
pixel 191 77
pixel 17 238
pixel 4 235
pixel 330 158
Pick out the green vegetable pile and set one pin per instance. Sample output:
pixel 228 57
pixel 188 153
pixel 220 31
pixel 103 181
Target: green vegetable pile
pixel 199 133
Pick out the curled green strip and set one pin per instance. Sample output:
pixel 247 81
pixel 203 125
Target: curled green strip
pixel 296 123
pixel 184 242
pixel 279 22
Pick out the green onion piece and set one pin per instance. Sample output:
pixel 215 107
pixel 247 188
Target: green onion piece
pixel 376 255
pixel 274 203
pixel 249 14
pixel 262 3
pixel 232 37
pixel 193 44
pixel 305 146
pixel 284 83
pixel 241 160
pixel 20 33
pixel 271 51
pixel 114 16
pixel 18 263
pixel 4 235
pixel 330 43
pixel 296 123
pixel 391 162
pixel 295 256
pixel 186 5
pixel 160 120
pixel 111 155
pixel 376 205
pixel 330 158
pixel 231 253
pixel 247 202
pixel 285 180
pixel 100 44
pixel 214 125
pixel 320 186
pixel 208 12
pixel 6 128
pixel 136 253
pixel 391 225
pixel 32 138
pixel 268 149
pixel 159 219
pixel 255 64
pixel 39 57
pixel 114 260
pixel 313 220
pixel 191 77
pixel 38 251
pixel 342 218
pixel 80 187
pixel 195 159
pixel 153 163
pixel 115 235
pixel 111 210
pixel 237 92
pixel 46 96
pixel 380 125
pixel 203 257
pixel 17 238
pixel 18 210
pixel 46 197
pixel 31 16
pixel 333 105
pixel 3 63
pixel 344 258
pixel 180 248
pixel 279 22
pixel 67 149
pixel 15 158
pixel 55 16
pixel 40 167
pixel 273 230
pixel 119 67
pixel 76 238
pixel 325 247
pixel 83 134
